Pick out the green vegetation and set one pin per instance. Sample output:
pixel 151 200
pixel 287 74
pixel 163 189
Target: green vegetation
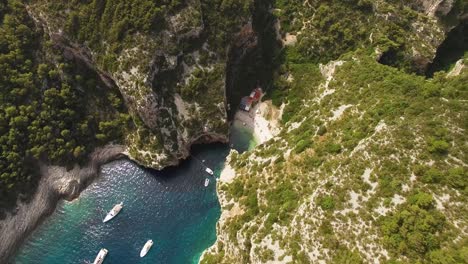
pixel 310 185
pixel 205 87
pixel 327 203
pixel 48 111
pixel 150 49
pixel 222 19
pixel 108 26
pixel 414 230
pixel 329 29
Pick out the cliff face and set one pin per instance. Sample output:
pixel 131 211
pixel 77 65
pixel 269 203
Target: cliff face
pixel 171 74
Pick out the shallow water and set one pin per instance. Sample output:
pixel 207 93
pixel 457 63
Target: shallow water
pixel 172 207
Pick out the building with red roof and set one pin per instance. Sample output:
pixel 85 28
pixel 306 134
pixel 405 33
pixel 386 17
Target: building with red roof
pixel 248 101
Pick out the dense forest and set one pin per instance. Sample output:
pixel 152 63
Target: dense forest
pixel 52 109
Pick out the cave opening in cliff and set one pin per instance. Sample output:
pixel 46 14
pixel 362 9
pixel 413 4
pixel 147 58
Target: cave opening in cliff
pixel 392 57
pixel 251 58
pixel 451 50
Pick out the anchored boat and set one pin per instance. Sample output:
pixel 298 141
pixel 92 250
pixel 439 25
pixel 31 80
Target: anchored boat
pixel 100 257
pixel 207 181
pixel 209 171
pixel 113 212
pixel 146 248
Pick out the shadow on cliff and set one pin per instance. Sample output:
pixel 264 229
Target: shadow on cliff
pixel 452 49
pixel 253 57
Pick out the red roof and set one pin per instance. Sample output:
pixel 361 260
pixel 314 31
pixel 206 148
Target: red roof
pixel 256 94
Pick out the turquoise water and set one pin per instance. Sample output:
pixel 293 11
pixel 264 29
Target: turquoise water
pixel 172 207
pixel 241 138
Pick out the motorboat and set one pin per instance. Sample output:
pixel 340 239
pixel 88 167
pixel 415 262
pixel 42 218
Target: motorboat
pixel 113 212
pixel 209 171
pixel 100 256
pixel 207 181
pixel 146 248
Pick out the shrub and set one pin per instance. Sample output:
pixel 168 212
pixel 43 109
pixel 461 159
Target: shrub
pixel 457 178
pixel 438 146
pixel 432 175
pixel 302 145
pixel 327 203
pixel 333 148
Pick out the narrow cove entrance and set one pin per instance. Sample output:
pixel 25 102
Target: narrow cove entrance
pixel 172 207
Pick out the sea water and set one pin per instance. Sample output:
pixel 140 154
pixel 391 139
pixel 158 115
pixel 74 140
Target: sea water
pixel 172 207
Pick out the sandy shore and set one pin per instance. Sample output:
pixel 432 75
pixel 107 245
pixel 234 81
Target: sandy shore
pixel 263 120
pixel 227 174
pixel 57 183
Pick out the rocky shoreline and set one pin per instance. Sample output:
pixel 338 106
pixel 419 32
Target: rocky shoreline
pixel 263 122
pixel 57 183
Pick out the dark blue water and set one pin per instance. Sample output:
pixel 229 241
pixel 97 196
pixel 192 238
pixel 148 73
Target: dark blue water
pixel 172 207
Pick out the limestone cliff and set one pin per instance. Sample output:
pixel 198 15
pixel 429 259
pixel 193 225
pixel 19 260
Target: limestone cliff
pixel 370 164
pixel 172 78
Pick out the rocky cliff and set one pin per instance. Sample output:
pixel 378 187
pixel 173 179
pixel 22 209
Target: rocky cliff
pixel 370 164
pixel 171 75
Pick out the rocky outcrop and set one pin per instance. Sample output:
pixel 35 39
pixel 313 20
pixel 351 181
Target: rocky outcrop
pixel 457 69
pixel 56 183
pixel 434 7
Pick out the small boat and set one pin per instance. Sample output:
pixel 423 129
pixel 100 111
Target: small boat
pixel 207 181
pixel 146 248
pixel 113 212
pixel 209 171
pixel 100 257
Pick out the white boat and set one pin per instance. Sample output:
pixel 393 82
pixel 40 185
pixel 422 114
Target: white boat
pixel 207 181
pixel 209 171
pixel 113 212
pixel 100 256
pixel 146 248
